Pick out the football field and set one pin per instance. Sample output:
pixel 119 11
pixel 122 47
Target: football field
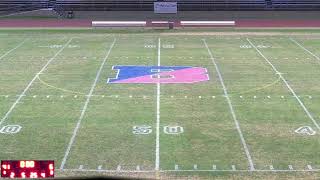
pixel 162 103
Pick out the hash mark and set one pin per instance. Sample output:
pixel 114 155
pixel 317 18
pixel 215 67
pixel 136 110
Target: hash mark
pixel 81 167
pixel 309 167
pixel 290 167
pixel 271 167
pixel 100 167
pixel 138 168
pixel 195 166
pixel 214 167
pixel 233 167
pixel 119 168
pixel 176 167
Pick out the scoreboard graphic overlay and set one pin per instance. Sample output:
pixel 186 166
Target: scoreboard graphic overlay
pixel 27 169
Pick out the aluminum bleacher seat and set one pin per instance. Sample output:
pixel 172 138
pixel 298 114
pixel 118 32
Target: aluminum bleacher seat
pixel 296 4
pixel 145 5
pixel 11 6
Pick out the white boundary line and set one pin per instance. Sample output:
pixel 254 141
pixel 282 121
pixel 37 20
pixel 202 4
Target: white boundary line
pixel 287 84
pixel 11 50
pixel 31 82
pixel 157 162
pixel 244 144
pixel 191 170
pixel 75 131
pixel 296 42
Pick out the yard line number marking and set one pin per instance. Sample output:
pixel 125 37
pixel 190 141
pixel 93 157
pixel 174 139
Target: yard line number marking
pixel 85 107
pixel 244 144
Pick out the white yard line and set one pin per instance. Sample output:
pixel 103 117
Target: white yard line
pixel 188 170
pixel 75 131
pixel 297 43
pixel 13 49
pixel 287 84
pixel 31 82
pixel 244 144
pixel 157 162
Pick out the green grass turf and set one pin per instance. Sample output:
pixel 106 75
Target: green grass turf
pixel 52 106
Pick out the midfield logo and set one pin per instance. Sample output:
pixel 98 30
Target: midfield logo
pixel 159 74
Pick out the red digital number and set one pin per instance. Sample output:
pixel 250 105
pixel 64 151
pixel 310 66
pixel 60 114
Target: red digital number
pixel 12 175
pixel 23 175
pixel 43 175
pixel 6 166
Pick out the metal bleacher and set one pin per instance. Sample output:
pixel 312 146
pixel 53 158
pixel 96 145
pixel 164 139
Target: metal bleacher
pixel 13 6
pixel 147 5
pixel 296 4
pixel 188 5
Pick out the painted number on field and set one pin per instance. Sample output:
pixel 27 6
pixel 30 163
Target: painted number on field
pixel 260 46
pixel 305 130
pixel 143 129
pixel 149 46
pixel 168 46
pixel 263 46
pixel 10 129
pixel 173 129
pixel 245 46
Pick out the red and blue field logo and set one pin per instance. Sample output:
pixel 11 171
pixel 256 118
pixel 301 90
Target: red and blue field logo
pixel 159 74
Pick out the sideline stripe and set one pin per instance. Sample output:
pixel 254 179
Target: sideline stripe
pixel 296 42
pixel 244 144
pixel 287 84
pixel 31 82
pixel 11 50
pixel 191 170
pixel 157 163
pixel 75 131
